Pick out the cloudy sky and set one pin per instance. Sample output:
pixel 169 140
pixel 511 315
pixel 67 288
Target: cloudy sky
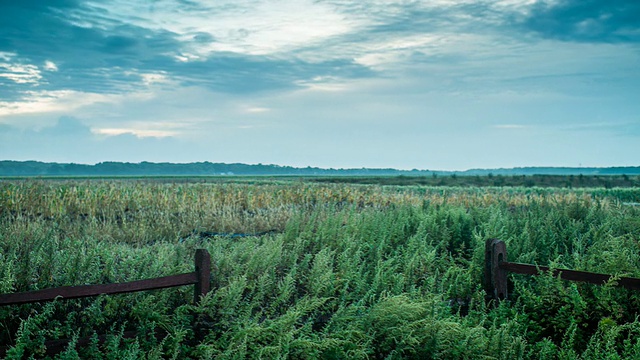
pixel 440 84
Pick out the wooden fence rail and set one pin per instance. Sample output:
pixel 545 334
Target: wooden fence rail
pixel 200 278
pixel 497 267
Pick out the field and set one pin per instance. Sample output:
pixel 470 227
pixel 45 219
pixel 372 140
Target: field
pixel 322 270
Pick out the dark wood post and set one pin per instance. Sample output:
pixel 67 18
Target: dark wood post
pixel 495 277
pixel 203 274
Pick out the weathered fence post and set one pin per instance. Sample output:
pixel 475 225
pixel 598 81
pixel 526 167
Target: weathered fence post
pixel 203 275
pixel 203 284
pixel 495 278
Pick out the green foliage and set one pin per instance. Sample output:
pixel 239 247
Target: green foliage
pixel 351 271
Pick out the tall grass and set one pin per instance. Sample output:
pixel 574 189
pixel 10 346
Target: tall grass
pixel 350 271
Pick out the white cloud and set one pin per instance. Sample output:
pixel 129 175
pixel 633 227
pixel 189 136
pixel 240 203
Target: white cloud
pixel 510 126
pixel 325 84
pixel 140 133
pixel 155 78
pixel 50 66
pixel 49 102
pixel 185 57
pixel 246 27
pixel 20 73
pixel 257 110
pixel 6 56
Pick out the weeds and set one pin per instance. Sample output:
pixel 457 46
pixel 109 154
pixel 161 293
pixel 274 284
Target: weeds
pixel 351 271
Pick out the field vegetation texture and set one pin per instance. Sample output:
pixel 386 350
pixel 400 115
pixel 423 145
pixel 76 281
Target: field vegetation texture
pixel 344 272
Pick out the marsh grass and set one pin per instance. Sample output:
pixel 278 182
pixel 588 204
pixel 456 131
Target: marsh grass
pixel 351 271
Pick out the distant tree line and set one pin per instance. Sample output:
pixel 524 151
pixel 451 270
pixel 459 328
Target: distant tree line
pixel 36 168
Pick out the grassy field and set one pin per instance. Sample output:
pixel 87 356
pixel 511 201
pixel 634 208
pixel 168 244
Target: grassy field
pixel 346 271
pixel 555 181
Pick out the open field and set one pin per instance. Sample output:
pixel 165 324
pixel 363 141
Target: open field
pixel 556 181
pixel 338 271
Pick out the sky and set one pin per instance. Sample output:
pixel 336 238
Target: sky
pixel 439 85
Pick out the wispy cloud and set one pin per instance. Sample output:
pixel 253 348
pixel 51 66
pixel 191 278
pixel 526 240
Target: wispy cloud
pixel 257 110
pixel 70 140
pixel 20 74
pixel 58 101
pixel 623 128
pixel 140 133
pixel 510 126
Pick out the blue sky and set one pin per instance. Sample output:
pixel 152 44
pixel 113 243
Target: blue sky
pixel 437 84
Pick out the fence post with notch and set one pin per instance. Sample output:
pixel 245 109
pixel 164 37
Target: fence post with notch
pixel 495 278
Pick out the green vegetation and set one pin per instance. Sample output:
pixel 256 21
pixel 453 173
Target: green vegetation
pixel 351 271
pixel 490 180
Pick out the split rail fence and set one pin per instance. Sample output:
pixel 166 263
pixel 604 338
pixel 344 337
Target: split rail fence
pixel 497 267
pixel 200 278
pixel 495 283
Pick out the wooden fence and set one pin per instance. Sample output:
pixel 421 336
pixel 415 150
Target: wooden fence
pixel 497 267
pixel 200 278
